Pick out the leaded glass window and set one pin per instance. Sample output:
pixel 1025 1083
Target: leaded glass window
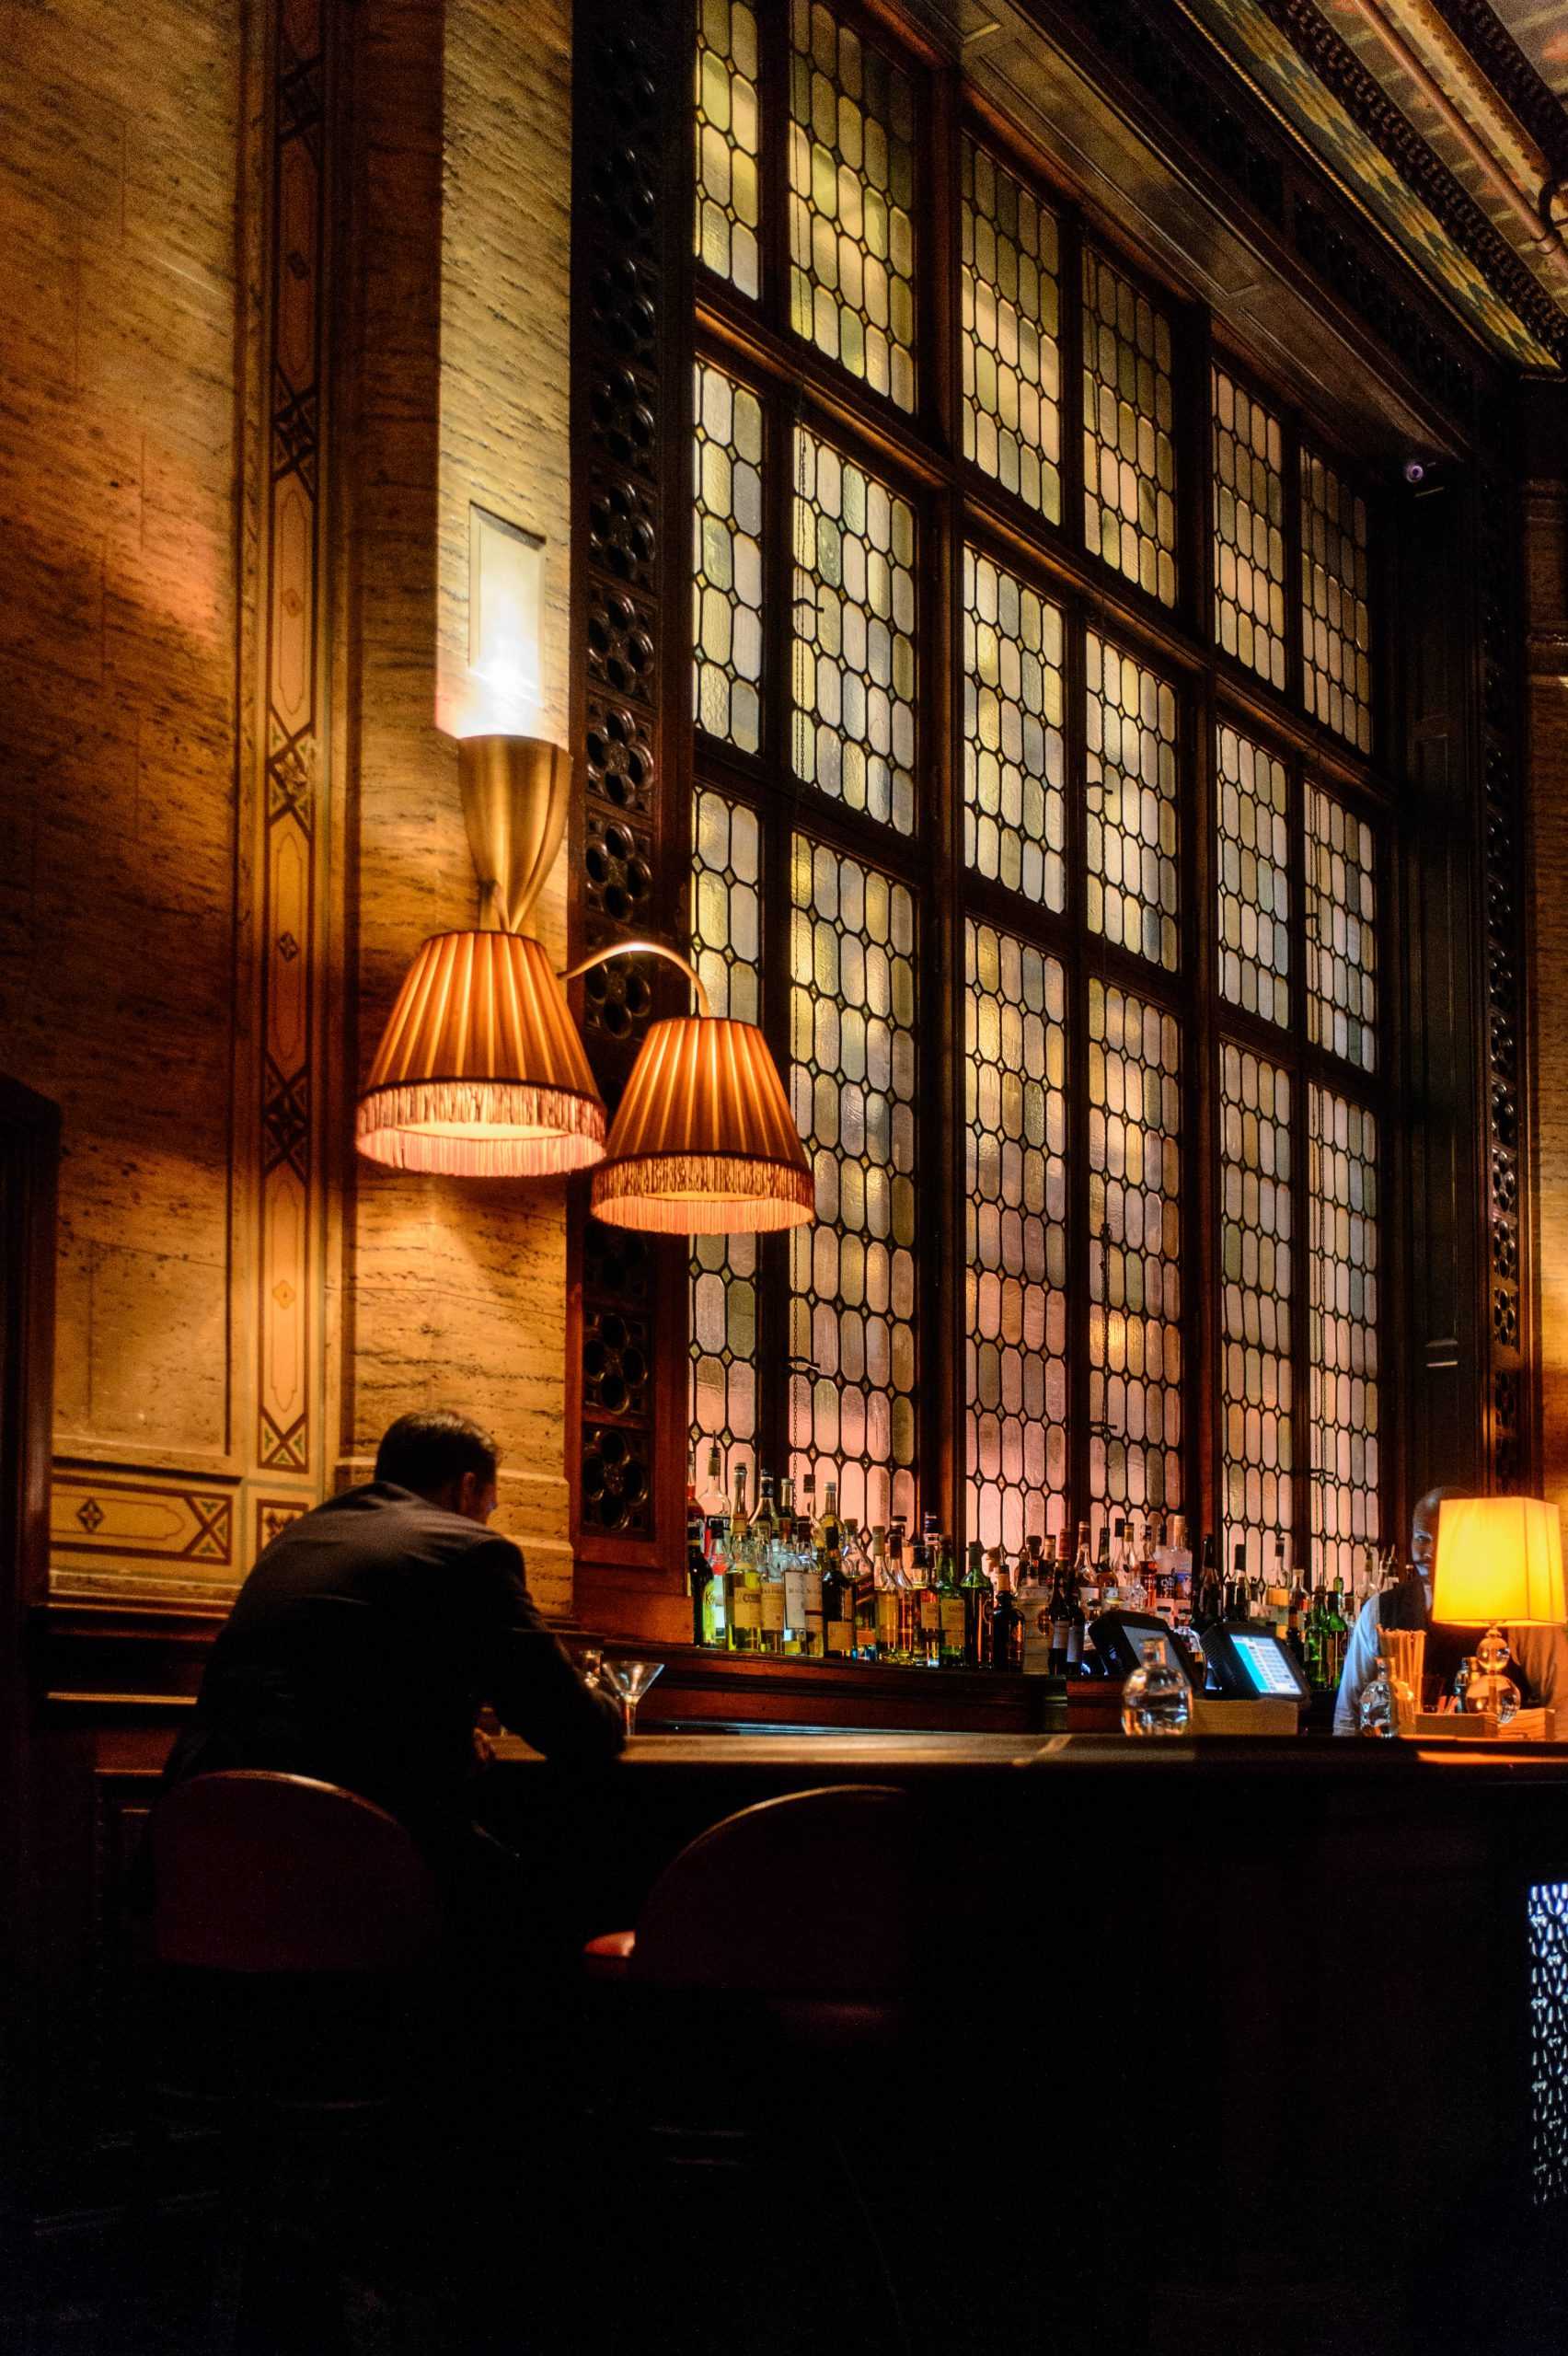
pixel 852 201
pixel 1343 1250
pixel 1129 452
pixel 728 192
pixel 854 635
pixel 1012 419
pixel 1015 1237
pixel 852 1276
pixel 1248 530
pixel 1335 620
pixel 1068 869
pixel 1014 750
pixel 1254 877
pixel 727 559
pixel 1256 1289
pixel 1342 954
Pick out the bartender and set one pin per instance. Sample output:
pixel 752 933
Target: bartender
pixel 1539 1663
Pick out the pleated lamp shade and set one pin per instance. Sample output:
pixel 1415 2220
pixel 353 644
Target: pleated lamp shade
pixel 481 1072
pixel 703 1141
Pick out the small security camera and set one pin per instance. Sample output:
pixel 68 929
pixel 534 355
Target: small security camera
pixel 1414 470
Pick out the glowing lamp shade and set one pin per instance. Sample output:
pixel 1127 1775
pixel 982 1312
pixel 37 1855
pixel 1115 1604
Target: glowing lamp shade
pixel 703 1141
pixel 1499 1564
pixel 481 1072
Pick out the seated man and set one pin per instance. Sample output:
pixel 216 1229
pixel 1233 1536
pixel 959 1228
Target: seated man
pixel 369 1631
pixel 1539 1664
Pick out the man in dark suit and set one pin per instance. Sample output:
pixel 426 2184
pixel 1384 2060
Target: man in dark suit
pixel 369 1631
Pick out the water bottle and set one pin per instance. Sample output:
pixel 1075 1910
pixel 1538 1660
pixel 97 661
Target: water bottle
pixel 1155 1699
pixel 1376 1713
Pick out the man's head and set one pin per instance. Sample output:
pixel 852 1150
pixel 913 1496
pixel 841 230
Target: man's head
pixel 1423 1535
pixel 443 1458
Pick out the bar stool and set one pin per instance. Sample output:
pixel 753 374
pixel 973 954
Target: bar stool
pixel 295 1929
pixel 753 2019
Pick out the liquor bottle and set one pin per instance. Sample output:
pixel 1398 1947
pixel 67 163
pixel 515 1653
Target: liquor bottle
pixel 806 1591
pixel 1209 1609
pixel 886 1586
pixel 1059 1603
pixel 742 1584
pixel 1135 1596
pixel 1084 1581
pixel 902 1565
pixel 1279 1591
pixel 1035 1604
pixel 950 1608
pixel 1337 1630
pixel 837 1591
pixel 925 1559
pixel 860 1564
pixel 1236 1585
pixel 1300 1604
pixel 1006 1619
pixel 1181 1572
pixel 979 1602
pixel 770 1570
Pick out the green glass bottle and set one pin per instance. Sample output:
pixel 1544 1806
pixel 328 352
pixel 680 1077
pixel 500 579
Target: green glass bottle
pixel 978 1605
pixel 837 1590
pixel 949 1609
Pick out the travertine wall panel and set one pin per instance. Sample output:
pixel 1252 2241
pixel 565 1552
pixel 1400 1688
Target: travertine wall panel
pixel 119 136
pixel 458 1290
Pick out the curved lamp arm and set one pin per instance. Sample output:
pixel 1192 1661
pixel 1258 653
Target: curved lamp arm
pixel 643 948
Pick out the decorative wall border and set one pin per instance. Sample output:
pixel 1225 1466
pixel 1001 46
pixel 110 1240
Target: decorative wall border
pixel 289 754
pixel 1509 1317
pixel 630 847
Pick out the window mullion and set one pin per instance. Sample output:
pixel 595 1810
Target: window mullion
pixel 1301 1164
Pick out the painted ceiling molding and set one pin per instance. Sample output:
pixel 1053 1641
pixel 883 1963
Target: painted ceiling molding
pixel 1529 99
pixel 1320 88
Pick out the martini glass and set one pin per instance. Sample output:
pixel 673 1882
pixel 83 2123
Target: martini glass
pixel 630 1681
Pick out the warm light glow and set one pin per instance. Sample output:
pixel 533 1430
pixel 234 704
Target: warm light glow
pixel 1499 1564
pixel 703 1142
pixel 481 1072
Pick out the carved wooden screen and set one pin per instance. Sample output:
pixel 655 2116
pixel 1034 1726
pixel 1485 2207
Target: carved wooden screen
pixel 971 732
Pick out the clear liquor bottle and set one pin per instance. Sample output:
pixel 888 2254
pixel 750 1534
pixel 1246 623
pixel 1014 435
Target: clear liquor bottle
pixel 770 1568
pixel 929 1648
pixel 742 1581
pixel 1034 1605
pixel 885 1587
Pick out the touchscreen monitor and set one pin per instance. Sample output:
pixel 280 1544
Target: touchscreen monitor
pixel 1268 1667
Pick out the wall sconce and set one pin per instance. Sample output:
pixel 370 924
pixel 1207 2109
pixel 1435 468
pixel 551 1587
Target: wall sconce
pixel 481 1072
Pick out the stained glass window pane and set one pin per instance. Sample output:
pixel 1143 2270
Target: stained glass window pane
pixel 1336 633
pixel 725 234
pixel 852 201
pixel 1248 530
pixel 852 1276
pixel 1012 419
pixel 1132 787
pixel 854 654
pixel 1129 458
pixel 1255 1251
pixel 1254 878
pixel 726 948
pixel 1342 944
pixel 727 559
pixel 1016 1237
pixel 1342 1331
pixel 1135 1245
pixel 1014 804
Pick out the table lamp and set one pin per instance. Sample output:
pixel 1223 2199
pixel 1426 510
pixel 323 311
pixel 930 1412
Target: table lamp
pixel 1499 1563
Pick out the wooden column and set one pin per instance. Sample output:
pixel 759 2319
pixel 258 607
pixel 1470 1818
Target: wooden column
pixel 1545 518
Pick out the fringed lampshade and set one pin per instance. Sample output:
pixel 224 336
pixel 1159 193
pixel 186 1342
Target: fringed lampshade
pixel 703 1142
pixel 481 1072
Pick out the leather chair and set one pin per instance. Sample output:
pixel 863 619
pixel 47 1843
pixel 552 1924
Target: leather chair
pixel 296 1928
pixel 756 2026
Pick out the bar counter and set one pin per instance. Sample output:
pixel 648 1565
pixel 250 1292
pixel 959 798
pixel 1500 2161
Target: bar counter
pixel 1304 2003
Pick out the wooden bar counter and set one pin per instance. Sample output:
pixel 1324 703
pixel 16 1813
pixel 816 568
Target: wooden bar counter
pixel 1260 2011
